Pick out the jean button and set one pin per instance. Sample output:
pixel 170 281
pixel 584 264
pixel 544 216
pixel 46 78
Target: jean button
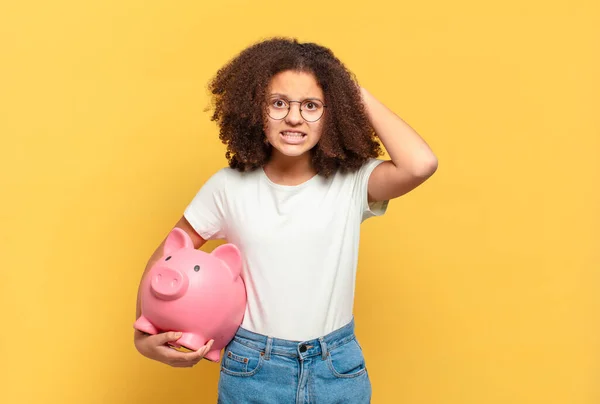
pixel 302 348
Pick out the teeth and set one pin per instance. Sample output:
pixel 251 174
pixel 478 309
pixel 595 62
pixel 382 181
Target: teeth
pixel 295 134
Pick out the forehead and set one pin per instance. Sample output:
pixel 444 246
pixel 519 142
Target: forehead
pixel 295 85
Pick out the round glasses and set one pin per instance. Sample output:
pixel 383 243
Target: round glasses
pixel 310 110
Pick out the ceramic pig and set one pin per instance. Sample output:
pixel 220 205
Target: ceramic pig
pixel 194 292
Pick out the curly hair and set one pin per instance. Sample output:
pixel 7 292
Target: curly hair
pixel 239 99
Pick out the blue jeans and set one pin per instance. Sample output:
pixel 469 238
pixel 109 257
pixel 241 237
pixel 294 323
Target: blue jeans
pixel 260 369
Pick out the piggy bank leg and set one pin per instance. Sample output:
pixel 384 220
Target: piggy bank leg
pixel 144 325
pixel 214 355
pixel 190 341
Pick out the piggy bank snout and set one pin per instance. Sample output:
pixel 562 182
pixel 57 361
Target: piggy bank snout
pixel 168 283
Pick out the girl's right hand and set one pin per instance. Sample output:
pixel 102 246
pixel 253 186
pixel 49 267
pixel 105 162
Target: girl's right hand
pixel 155 347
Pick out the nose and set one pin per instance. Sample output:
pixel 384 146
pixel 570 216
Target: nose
pixel 294 117
pixel 169 284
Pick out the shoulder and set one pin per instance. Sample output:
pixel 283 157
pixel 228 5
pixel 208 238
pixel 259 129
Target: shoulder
pixel 364 170
pixel 350 180
pixel 370 164
pixel 228 179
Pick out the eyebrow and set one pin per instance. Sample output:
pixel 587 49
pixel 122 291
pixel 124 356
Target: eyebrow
pixel 287 98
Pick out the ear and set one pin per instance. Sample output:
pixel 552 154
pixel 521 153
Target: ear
pixel 231 256
pixel 176 240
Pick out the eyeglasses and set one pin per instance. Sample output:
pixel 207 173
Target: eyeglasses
pixel 310 110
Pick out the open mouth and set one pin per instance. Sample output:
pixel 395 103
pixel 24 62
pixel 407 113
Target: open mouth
pixel 293 137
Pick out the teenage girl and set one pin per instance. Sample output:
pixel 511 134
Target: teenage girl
pixel 303 173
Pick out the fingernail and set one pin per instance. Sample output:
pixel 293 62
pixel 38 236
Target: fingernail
pixel 178 334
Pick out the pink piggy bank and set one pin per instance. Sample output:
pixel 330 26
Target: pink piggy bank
pixel 199 294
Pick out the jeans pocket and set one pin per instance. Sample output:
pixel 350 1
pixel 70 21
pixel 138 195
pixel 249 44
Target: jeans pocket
pixel 241 360
pixel 347 361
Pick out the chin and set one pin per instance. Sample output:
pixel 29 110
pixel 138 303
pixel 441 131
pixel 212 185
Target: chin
pixel 294 151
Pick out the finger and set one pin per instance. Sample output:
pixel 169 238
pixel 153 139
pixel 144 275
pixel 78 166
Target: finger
pixel 186 358
pixel 178 356
pixel 199 354
pixel 168 337
pixel 186 362
pixel 204 350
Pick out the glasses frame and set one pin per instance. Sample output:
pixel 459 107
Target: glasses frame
pixel 299 107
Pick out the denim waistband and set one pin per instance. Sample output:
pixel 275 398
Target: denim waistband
pixel 302 349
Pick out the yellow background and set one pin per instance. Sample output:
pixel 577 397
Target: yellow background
pixel 477 288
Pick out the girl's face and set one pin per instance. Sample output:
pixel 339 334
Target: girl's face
pixel 299 131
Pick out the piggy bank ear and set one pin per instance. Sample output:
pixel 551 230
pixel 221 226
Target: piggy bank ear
pixel 176 240
pixel 231 256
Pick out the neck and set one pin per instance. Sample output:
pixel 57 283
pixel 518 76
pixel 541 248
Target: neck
pixel 289 170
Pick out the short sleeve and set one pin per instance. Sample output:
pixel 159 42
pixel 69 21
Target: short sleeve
pixel 206 211
pixel 361 190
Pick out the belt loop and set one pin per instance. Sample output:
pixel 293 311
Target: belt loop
pixel 323 348
pixel 268 348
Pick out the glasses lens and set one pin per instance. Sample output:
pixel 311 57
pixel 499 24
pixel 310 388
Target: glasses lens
pixel 312 110
pixel 278 108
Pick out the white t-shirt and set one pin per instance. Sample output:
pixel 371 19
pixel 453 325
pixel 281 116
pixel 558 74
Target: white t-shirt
pixel 299 245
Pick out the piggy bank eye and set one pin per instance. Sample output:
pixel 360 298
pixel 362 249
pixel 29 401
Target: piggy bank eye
pixel 197 268
pixel 168 258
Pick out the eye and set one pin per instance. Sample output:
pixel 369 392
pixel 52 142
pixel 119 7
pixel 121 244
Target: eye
pixel 279 103
pixel 197 268
pixel 313 106
pixel 168 258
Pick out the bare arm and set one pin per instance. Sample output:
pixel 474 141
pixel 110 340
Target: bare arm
pixel 412 161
